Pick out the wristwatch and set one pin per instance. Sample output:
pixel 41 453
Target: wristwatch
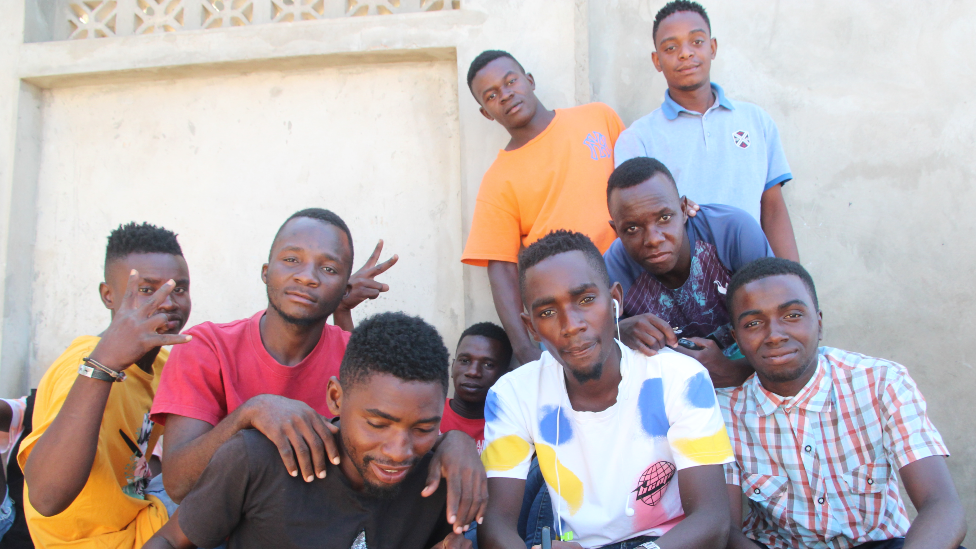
pixel 88 371
pixel 649 545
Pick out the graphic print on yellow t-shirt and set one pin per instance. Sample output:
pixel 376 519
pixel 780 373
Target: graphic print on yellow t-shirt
pixel 111 510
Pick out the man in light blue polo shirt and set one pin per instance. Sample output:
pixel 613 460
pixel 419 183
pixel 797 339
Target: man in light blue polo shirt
pixel 729 155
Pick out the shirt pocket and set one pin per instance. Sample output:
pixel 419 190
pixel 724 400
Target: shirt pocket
pixel 867 497
pixel 768 494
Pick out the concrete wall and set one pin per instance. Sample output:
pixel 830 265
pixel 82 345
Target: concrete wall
pixel 871 101
pixel 874 105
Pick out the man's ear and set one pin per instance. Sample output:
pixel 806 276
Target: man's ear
pixel 617 292
pixel 714 47
pixel 105 291
pixel 684 209
pixel 264 273
pixel 819 325
pixel 527 322
pixel 333 396
pixel 657 62
pixel 485 114
pixel 613 226
pixel 531 79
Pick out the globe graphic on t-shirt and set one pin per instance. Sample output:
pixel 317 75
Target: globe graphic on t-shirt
pixel 650 487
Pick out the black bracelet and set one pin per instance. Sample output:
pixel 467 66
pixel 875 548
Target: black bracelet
pixel 94 373
pixel 116 376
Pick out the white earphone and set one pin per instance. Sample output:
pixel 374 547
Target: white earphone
pixel 616 308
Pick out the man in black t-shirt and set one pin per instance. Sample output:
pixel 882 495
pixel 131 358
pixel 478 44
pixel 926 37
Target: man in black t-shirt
pixel 394 382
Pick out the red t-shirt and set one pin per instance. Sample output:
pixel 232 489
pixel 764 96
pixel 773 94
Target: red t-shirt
pixel 451 421
pixel 224 365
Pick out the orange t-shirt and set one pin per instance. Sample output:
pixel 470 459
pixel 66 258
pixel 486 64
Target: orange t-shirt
pixel 556 181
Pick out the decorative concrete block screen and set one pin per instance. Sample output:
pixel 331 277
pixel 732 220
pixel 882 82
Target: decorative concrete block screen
pixel 83 19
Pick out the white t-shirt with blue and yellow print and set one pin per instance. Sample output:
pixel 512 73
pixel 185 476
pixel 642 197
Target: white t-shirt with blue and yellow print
pixel 599 464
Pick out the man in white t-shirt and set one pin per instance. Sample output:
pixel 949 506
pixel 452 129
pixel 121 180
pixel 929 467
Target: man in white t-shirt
pixel 613 429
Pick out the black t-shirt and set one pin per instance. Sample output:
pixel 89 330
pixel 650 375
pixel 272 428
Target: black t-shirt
pixel 247 494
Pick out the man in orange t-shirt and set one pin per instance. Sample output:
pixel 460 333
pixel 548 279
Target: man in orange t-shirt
pixel 551 175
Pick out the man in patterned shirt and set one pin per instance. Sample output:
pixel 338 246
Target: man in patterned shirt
pixel 819 433
pixel 674 268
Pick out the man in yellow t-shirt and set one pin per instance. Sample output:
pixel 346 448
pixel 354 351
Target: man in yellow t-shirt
pixel 85 463
pixel 552 175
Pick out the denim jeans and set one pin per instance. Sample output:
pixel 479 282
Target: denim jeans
pixel 630 543
pixel 6 514
pixel 536 507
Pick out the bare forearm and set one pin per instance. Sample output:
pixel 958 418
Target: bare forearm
pixel 6 416
pixel 342 318
pixel 734 375
pixel 777 226
pixel 706 528
pixel 170 536
pixel 61 461
pixel 939 525
pixel 503 276
pixel 186 456
pixel 495 534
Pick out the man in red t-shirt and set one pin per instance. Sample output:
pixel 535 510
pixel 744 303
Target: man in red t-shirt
pixel 269 372
pixel 483 355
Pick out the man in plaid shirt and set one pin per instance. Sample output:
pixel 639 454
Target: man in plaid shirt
pixel 819 433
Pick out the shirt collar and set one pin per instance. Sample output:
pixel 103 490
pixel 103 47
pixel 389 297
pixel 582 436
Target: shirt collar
pixel 813 397
pixel 671 108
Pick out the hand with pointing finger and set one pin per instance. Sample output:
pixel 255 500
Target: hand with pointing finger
pixel 138 328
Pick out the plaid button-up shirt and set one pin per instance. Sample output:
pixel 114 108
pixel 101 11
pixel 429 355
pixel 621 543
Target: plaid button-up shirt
pixel 820 468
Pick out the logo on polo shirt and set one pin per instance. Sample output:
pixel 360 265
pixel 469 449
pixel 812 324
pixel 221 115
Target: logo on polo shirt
pixel 741 139
pixel 598 145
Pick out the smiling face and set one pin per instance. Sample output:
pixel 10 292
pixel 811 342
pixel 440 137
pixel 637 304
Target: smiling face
pixel 480 361
pixel 505 93
pixel 778 330
pixel 649 219
pixel 388 425
pixel 155 269
pixel 685 50
pixel 570 312
pixel 308 271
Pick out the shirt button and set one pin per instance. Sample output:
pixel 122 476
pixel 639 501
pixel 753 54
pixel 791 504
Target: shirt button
pixel 870 481
pixel 808 448
pixel 820 501
pixel 756 491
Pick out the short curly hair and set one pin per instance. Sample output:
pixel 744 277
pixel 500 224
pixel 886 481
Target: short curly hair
pixel 674 7
pixel 764 268
pixel 483 59
pixel 555 243
pixel 325 216
pixel 491 331
pixel 635 171
pixel 394 343
pixel 140 238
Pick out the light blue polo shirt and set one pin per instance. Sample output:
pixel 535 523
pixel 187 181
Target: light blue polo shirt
pixel 729 155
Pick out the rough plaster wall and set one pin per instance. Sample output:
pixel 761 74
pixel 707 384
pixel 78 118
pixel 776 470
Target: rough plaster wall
pixel 223 161
pixel 874 105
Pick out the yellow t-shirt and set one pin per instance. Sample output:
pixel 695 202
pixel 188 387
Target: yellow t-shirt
pixel 558 180
pixel 110 511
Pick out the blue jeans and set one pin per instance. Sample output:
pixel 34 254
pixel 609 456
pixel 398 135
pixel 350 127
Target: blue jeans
pixel 536 507
pixel 6 514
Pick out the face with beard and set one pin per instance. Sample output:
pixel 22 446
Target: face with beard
pixel 307 274
pixel 778 329
pixel 388 425
pixel 570 312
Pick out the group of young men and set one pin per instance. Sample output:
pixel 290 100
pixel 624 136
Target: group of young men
pixel 657 365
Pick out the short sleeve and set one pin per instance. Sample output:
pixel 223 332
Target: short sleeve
pixel 629 145
pixel 620 266
pixel 496 230
pixel 738 237
pixel 909 435
pixel 614 124
pixel 212 510
pixel 9 438
pixel 191 385
pixel 508 443
pixel 778 169
pixel 697 433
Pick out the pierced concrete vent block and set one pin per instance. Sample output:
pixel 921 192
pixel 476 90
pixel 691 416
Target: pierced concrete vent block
pixel 226 13
pixel 91 19
pixel 157 16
